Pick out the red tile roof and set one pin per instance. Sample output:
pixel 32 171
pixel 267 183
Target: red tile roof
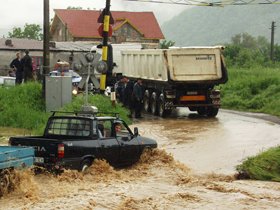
pixel 83 23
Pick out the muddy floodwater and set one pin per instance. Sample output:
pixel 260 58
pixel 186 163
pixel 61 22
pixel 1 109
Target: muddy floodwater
pixel 193 168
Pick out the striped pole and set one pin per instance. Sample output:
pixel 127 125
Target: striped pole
pixel 106 23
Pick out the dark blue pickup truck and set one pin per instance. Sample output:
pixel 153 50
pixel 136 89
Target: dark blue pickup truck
pixel 74 141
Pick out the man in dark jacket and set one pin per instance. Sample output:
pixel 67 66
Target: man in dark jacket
pixel 138 94
pixel 27 67
pixel 17 66
pixel 127 94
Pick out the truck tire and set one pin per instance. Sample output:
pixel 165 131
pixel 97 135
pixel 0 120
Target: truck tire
pixel 154 104
pixel 146 102
pixel 201 110
pixel 212 111
pixel 161 109
pixel 193 109
pixel 85 165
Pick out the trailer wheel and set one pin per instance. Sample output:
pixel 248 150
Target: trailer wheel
pixel 201 110
pixel 85 165
pixel 153 102
pixel 212 111
pixel 161 109
pixel 146 102
pixel 193 109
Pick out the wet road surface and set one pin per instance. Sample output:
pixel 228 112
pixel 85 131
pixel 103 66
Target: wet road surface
pixel 212 145
pixel 178 175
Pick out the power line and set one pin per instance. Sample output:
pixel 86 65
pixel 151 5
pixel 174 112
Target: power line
pixel 213 3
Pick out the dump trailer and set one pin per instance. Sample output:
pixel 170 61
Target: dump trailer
pixel 178 77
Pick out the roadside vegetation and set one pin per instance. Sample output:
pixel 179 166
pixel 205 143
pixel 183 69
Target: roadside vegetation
pixel 22 106
pixel 252 89
pixel 254 80
pixel 264 166
pixel 254 85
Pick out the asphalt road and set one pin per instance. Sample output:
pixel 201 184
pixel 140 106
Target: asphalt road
pixel 212 145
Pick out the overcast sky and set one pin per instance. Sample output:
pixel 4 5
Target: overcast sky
pixel 15 13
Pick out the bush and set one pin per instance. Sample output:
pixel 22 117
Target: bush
pixel 103 104
pixel 22 106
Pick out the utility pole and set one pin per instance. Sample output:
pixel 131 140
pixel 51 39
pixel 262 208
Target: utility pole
pixel 106 24
pixel 272 41
pixel 46 49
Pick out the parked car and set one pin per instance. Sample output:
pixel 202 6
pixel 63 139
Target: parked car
pixel 74 141
pixel 76 78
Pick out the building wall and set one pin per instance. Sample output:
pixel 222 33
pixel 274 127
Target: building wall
pixel 6 57
pixel 61 33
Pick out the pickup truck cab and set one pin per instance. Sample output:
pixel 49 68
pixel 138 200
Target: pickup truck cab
pixel 74 141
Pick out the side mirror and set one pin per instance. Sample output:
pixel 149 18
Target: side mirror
pixel 136 131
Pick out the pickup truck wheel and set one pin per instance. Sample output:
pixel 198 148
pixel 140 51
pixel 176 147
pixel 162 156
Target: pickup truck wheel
pixel 85 165
pixel 212 111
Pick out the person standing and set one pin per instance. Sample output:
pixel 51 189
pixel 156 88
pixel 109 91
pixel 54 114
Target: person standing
pixel 119 86
pixel 138 95
pixel 16 65
pixel 27 67
pixel 127 94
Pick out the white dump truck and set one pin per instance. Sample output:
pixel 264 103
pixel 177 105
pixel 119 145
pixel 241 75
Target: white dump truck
pixel 177 77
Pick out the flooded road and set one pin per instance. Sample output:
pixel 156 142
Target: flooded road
pixel 212 145
pixel 192 169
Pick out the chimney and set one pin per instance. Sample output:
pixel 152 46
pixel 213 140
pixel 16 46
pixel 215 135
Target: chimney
pixel 8 42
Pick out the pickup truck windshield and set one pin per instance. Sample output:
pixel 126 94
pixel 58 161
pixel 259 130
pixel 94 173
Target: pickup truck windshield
pixel 69 127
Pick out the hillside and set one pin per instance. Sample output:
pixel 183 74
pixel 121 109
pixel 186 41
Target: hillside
pixel 212 25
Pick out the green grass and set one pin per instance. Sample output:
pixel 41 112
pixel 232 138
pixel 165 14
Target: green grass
pixel 265 166
pixel 253 89
pixel 103 104
pixel 22 106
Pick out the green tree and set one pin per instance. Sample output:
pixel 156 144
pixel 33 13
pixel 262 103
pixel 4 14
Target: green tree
pixel 166 44
pixel 248 51
pixel 30 31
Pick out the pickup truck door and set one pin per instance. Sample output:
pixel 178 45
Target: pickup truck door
pixel 129 149
pixel 109 149
pixel 129 145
